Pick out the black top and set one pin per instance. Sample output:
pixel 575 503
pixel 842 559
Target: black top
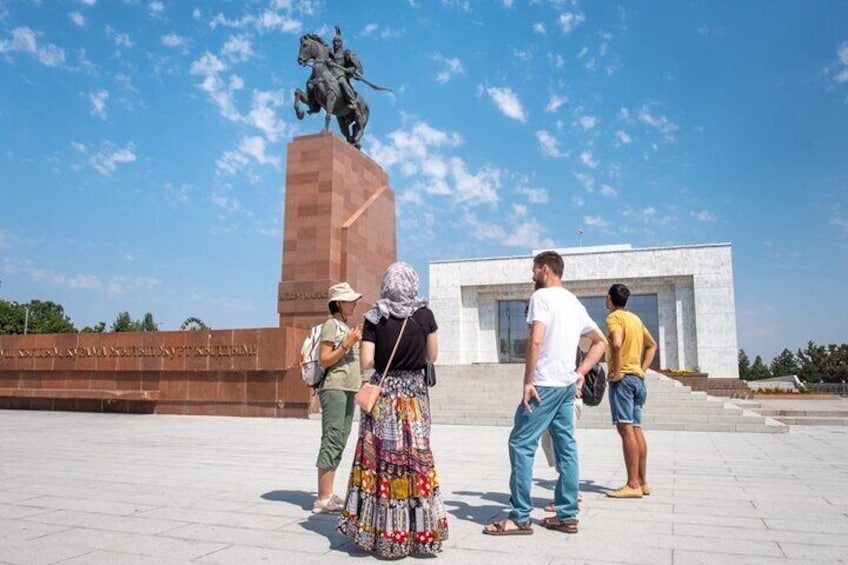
pixel 411 350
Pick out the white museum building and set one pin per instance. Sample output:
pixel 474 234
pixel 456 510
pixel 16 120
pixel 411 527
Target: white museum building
pixel 684 295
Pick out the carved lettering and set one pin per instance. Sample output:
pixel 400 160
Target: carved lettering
pixel 317 295
pixel 120 351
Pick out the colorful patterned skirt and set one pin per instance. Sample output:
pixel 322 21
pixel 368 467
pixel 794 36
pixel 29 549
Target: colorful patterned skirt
pixel 394 505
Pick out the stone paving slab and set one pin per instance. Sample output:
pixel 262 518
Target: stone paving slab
pixel 96 489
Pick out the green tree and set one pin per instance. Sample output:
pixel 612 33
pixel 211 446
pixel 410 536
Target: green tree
pixel 837 363
pixel 744 366
pixel 46 317
pixel 759 369
pixel 811 363
pixel 36 317
pixel 125 323
pixel 784 364
pixel 98 328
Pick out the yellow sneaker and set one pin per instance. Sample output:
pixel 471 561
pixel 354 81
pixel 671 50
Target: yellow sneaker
pixel 646 489
pixel 625 492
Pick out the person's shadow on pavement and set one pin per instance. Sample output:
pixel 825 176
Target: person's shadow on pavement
pixel 322 524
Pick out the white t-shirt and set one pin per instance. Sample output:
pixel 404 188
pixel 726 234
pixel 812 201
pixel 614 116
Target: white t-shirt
pixel 565 320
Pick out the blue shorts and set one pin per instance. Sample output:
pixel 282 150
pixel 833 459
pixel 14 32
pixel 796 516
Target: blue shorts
pixel 627 397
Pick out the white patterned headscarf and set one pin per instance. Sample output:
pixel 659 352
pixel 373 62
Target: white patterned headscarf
pixel 398 294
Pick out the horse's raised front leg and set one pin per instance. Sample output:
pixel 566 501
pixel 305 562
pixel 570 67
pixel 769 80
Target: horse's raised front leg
pixel 299 97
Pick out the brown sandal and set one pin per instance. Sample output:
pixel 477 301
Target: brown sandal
pixel 552 506
pixel 500 529
pixel 568 525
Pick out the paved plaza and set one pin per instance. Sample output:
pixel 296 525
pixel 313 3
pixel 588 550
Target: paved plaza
pixel 80 488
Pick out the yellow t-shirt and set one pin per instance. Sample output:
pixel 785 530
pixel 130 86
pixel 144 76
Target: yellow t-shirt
pixel 633 333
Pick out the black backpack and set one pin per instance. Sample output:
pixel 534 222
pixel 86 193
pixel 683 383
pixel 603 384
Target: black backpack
pixel 594 384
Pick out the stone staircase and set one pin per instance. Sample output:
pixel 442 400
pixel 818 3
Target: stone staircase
pixel 809 415
pixel 487 394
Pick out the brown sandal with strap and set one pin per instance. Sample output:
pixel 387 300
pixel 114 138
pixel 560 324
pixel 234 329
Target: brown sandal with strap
pixel 568 525
pixel 500 529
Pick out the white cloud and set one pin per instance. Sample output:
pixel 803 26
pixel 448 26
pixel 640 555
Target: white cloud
pixel 661 123
pixel 369 29
pixel 587 180
pixel 508 3
pixel 255 147
pixel 451 66
pixel 127 285
pixel 589 160
pixel 609 191
pixel 840 222
pixel 548 144
pixel 568 21
pixel 475 188
pixel 270 20
pixel 106 160
pixel 555 102
pixel 557 60
pixel 539 27
pixel 841 73
pixel 209 67
pixel 120 39
pixel 156 8
pixel 704 216
pixel 173 40
pixel 98 103
pixel 534 195
pixel 622 137
pixel 77 281
pixel 523 233
pixel 24 40
pixel 262 115
pixel 237 49
pixel 595 222
pixel 416 152
pixel 587 122
pixel 77 18
pixel 507 102
pixel 178 194
pixel 232 162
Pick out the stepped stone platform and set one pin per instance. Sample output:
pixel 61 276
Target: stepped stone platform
pixel 801 411
pixel 487 394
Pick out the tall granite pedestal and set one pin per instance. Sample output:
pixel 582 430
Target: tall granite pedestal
pixel 339 226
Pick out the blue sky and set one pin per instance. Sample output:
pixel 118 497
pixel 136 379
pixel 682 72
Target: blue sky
pixel 142 144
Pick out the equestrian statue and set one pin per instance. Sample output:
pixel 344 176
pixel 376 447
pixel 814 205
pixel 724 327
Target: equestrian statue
pixel 329 87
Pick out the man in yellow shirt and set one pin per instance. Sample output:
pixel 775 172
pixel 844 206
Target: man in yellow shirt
pixel 631 351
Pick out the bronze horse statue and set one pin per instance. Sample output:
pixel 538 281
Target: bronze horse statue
pixel 323 91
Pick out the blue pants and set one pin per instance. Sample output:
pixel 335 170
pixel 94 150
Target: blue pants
pixel 555 413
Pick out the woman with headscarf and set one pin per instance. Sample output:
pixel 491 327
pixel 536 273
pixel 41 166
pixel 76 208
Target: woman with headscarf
pixel 394 505
pixel 342 378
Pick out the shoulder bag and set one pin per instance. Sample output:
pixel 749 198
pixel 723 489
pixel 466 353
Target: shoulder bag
pixel 367 396
pixel 429 368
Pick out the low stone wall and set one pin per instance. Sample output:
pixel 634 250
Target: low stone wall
pixel 245 372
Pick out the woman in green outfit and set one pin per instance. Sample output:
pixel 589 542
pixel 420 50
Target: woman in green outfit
pixel 340 360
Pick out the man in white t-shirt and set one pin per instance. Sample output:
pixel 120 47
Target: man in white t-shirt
pixel 551 382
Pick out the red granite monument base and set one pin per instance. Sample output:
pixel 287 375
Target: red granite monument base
pixel 339 226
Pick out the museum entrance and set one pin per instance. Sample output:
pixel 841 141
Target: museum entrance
pixel 513 331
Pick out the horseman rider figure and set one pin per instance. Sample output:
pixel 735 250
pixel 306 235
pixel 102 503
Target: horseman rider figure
pixel 346 64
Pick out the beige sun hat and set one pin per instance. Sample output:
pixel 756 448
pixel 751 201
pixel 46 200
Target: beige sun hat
pixel 342 292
